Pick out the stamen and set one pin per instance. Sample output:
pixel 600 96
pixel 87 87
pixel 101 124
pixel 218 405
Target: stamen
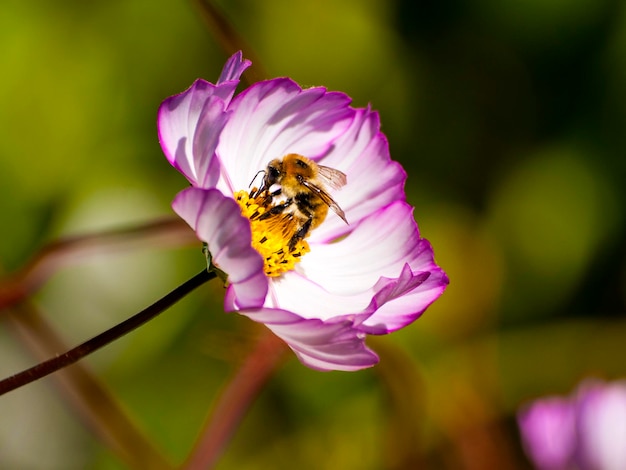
pixel 271 235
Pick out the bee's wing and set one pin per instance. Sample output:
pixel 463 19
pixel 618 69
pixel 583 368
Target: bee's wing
pixel 324 196
pixel 334 179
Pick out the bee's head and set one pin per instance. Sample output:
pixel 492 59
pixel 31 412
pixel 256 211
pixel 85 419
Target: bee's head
pixel 273 173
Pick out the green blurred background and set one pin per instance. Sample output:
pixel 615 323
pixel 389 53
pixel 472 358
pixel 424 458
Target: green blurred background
pixel 510 118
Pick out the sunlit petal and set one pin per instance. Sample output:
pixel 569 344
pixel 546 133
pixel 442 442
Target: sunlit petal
pixel 218 222
pixel 189 128
pixel 400 301
pixel 380 245
pixel 374 181
pixel 231 73
pixel 324 345
pixel 273 118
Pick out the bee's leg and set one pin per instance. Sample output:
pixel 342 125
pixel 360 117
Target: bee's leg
pixel 269 197
pixel 300 234
pixel 276 209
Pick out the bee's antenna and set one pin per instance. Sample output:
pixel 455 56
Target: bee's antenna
pixel 260 189
pixel 257 174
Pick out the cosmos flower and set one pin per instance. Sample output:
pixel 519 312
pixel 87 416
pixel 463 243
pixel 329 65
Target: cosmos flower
pixel 321 290
pixel 548 432
pixel 586 431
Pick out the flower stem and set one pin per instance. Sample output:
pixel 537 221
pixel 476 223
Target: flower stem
pixel 47 367
pixel 234 401
pixel 96 406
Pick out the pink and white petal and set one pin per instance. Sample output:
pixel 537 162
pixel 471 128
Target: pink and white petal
pixel 211 122
pixel 178 120
pixel 233 68
pixel 321 345
pixel 294 292
pixel 378 246
pixel 399 302
pixel 385 258
pixel 374 180
pixel 231 73
pixel 392 286
pixel 217 221
pixel 273 118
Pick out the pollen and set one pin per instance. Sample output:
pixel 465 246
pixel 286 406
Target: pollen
pixel 271 235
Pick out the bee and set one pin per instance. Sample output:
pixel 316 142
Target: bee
pixel 302 194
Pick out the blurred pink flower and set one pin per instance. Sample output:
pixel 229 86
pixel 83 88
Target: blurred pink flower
pixel 548 432
pixel 374 275
pixel 586 431
pixel 601 420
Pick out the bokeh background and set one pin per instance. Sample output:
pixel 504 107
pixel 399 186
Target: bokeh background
pixel 510 118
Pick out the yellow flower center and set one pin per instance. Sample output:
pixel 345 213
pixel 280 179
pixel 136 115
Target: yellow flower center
pixel 271 234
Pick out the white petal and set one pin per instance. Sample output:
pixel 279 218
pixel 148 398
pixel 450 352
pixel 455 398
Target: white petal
pixel 399 302
pixel 273 118
pixel 378 246
pixel 189 126
pixel 374 180
pixel 383 260
pixel 382 269
pixel 205 140
pixel 294 292
pixel 331 345
pixel 217 221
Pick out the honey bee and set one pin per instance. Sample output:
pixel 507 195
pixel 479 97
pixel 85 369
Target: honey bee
pixel 302 193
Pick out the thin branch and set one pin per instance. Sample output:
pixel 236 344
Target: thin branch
pixel 15 288
pixel 234 401
pixel 230 40
pixel 88 396
pixel 45 368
